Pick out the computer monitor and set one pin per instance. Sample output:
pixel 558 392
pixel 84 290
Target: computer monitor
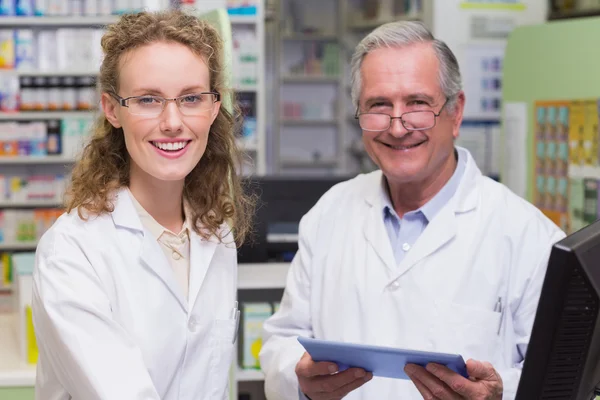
pixel 282 202
pixel 563 356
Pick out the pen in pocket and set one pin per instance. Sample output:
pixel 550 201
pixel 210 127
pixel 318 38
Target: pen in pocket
pixel 499 309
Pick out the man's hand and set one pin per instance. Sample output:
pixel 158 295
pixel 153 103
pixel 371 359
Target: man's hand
pixel 321 381
pixel 436 382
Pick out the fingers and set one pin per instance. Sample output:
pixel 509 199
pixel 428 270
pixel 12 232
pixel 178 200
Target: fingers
pixel 319 380
pixel 484 381
pixel 355 384
pixel 481 370
pixel 332 383
pixel 431 387
pixel 454 381
pixel 426 393
pixel 307 368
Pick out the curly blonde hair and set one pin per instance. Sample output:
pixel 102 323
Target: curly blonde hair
pixel 213 188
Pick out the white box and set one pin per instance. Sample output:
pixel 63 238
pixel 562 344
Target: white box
pixel 23 264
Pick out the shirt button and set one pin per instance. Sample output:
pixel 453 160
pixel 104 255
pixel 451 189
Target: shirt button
pixel 406 247
pixel 395 285
pixel 193 324
pixel 176 255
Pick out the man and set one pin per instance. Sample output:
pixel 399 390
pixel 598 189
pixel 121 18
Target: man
pixel 425 254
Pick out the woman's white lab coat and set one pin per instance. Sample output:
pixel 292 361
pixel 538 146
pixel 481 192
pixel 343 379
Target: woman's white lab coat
pixel 111 322
pixel 344 284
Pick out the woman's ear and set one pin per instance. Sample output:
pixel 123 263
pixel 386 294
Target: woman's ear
pixel 215 112
pixel 109 106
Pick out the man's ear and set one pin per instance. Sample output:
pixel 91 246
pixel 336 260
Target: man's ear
pixel 109 106
pixel 459 108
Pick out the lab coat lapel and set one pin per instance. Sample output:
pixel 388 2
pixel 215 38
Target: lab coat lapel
pixel 154 259
pixel 201 254
pixel 438 232
pixel 151 255
pixel 444 226
pixel 374 228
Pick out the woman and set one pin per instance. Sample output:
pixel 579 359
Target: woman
pixel 135 286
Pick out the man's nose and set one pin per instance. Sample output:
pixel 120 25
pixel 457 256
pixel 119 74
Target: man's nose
pixel 397 129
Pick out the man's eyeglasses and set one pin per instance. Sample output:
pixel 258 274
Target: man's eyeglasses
pixel 153 106
pixel 412 120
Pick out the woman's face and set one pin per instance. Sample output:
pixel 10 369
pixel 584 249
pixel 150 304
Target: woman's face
pixel 163 145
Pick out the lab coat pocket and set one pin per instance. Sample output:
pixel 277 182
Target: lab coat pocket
pixel 222 336
pixel 469 331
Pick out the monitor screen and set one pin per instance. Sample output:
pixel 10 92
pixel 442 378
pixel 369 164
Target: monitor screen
pixel 563 356
pixel 281 202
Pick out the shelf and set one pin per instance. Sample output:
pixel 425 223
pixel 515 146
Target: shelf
pixel 18 246
pixel 249 375
pixel 243 19
pixel 248 146
pixel 360 23
pixel 246 87
pixel 309 79
pixel 558 15
pixel 308 122
pixel 262 276
pixel 40 115
pixel 309 37
pixel 91 73
pixel 580 172
pixel 30 203
pixel 58 21
pixel 38 160
pixel 13 372
pixel 309 163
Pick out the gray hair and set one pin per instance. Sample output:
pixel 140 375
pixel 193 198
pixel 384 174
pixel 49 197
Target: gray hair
pixel 401 34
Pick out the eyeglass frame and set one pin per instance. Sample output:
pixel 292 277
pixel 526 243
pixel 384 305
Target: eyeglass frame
pixel 435 116
pixel 123 101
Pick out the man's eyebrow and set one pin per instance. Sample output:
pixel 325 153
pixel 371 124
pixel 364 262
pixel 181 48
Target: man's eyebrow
pixel 378 99
pixel 419 96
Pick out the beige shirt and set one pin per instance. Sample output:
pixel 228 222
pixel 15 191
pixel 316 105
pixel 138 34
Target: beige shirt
pixel 175 246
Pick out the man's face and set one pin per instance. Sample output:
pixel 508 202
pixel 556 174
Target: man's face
pixel 401 80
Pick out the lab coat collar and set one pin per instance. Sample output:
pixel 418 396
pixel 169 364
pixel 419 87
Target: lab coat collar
pixel 440 230
pixel 126 216
pixel 124 213
pixel 201 254
pixel 466 196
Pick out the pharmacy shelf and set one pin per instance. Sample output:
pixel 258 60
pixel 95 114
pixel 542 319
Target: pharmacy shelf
pixel 243 19
pixel 308 163
pixel 249 375
pixel 58 21
pixel 245 87
pixel 360 23
pixel 307 122
pixel 309 79
pixel 13 372
pixel 5 246
pixel 580 172
pixel 262 276
pixel 35 160
pixel 84 72
pixel 309 37
pixel 43 115
pixel 30 204
pixel 248 146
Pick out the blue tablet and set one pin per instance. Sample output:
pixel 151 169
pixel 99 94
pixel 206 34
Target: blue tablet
pixel 386 362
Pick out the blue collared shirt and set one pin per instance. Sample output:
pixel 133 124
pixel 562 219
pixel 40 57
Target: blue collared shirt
pixel 404 232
